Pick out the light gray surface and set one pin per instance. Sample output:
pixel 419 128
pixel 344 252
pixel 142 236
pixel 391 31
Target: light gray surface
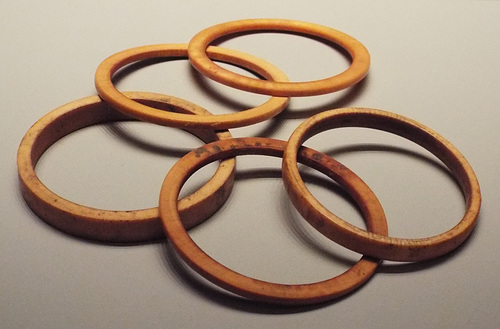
pixel 434 61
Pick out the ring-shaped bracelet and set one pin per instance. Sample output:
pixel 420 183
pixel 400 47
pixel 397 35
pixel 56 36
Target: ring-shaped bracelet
pixel 199 57
pixel 110 94
pixel 252 288
pixel 109 225
pixel 369 243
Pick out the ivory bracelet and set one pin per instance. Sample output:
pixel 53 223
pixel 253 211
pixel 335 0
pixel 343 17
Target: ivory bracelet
pixel 200 58
pixel 110 94
pixel 111 225
pixel 241 284
pixel 370 243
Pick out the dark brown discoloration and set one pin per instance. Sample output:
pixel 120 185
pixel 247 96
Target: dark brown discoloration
pixel 318 157
pixel 200 150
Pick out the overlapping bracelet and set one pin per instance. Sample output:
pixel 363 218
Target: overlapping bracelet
pixel 151 224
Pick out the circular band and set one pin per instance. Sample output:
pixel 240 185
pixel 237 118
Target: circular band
pixel 198 55
pixel 243 285
pixel 110 94
pixel 108 225
pixel 369 243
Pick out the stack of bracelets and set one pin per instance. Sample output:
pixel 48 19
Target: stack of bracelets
pixel 151 224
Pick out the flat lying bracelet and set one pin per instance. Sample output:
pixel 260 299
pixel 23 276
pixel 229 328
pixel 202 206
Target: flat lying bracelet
pixel 249 287
pixel 370 243
pixel 110 94
pixel 108 225
pixel 199 57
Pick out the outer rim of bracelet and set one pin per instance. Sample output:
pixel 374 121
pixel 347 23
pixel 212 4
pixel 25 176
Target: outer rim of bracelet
pixel 107 90
pixel 355 73
pixel 356 239
pixel 240 284
pixel 100 224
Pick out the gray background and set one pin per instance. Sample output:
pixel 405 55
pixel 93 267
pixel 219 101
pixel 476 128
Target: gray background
pixel 434 61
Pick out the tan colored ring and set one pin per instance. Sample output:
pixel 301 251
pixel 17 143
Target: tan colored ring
pixel 249 287
pixel 369 243
pixel 355 73
pixel 110 94
pixel 108 225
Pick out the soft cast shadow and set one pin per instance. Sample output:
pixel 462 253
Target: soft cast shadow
pixel 294 222
pixel 136 66
pixel 118 130
pixel 348 96
pixel 204 289
pixel 423 158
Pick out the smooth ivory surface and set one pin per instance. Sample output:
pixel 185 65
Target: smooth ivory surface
pixel 433 61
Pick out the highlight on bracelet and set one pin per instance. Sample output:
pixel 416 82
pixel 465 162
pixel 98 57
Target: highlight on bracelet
pixel 173 217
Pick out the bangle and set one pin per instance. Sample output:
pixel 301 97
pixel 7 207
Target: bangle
pixel 110 94
pixel 198 56
pixel 246 286
pixel 369 243
pixel 108 225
